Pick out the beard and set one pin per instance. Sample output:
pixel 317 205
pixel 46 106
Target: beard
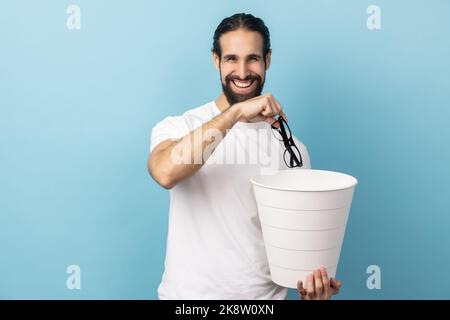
pixel 234 97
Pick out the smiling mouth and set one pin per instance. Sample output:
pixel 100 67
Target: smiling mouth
pixel 243 84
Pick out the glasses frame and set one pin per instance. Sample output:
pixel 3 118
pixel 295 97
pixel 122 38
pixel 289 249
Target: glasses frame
pixel 288 142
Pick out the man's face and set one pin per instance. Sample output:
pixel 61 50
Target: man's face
pixel 242 68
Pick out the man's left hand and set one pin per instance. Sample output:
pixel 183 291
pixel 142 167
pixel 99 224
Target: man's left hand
pixel 319 286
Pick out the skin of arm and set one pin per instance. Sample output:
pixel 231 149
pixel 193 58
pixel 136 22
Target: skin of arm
pixel 169 163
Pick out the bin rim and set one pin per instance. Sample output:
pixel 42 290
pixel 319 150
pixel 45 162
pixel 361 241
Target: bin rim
pixel 284 171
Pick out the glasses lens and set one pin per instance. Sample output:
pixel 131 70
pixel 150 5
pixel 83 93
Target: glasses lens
pixel 292 157
pixel 282 130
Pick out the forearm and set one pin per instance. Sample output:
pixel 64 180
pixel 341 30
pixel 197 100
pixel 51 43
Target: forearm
pixel 187 155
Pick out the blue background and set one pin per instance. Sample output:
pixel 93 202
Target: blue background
pixel 77 108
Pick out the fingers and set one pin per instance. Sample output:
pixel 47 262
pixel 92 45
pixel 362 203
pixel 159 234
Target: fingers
pixel 261 108
pixel 283 115
pixel 276 105
pixel 280 108
pixel 310 286
pixel 319 286
pixel 300 289
pixel 271 107
pixel 273 122
pixel 269 120
pixel 325 282
pixel 335 285
pixel 259 118
pixel 318 282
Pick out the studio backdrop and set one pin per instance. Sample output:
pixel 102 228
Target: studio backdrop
pixel 366 85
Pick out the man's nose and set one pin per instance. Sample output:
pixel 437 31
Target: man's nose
pixel 243 70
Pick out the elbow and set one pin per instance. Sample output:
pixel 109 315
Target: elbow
pixel 165 182
pixel 160 175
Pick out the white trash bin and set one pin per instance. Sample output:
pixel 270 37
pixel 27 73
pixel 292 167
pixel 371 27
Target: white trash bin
pixel 303 216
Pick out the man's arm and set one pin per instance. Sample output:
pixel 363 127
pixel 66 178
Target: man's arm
pixel 171 161
pixel 174 160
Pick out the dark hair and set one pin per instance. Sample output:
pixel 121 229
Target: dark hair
pixel 245 21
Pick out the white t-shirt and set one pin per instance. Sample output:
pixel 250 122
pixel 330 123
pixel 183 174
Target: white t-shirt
pixel 215 247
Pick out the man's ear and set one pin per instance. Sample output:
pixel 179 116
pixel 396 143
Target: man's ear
pixel 216 60
pixel 268 58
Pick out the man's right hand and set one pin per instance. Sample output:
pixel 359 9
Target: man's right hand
pixel 261 108
pixel 168 172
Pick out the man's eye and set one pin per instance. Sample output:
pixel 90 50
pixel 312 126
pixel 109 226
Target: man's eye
pixel 230 59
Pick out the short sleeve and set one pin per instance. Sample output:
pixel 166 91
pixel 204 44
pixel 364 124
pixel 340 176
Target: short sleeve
pixel 168 128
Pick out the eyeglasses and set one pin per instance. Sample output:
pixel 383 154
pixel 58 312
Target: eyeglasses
pixel 291 156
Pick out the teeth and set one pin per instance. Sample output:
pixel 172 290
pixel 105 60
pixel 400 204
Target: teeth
pixel 242 84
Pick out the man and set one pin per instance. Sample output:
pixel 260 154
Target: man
pixel 215 247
